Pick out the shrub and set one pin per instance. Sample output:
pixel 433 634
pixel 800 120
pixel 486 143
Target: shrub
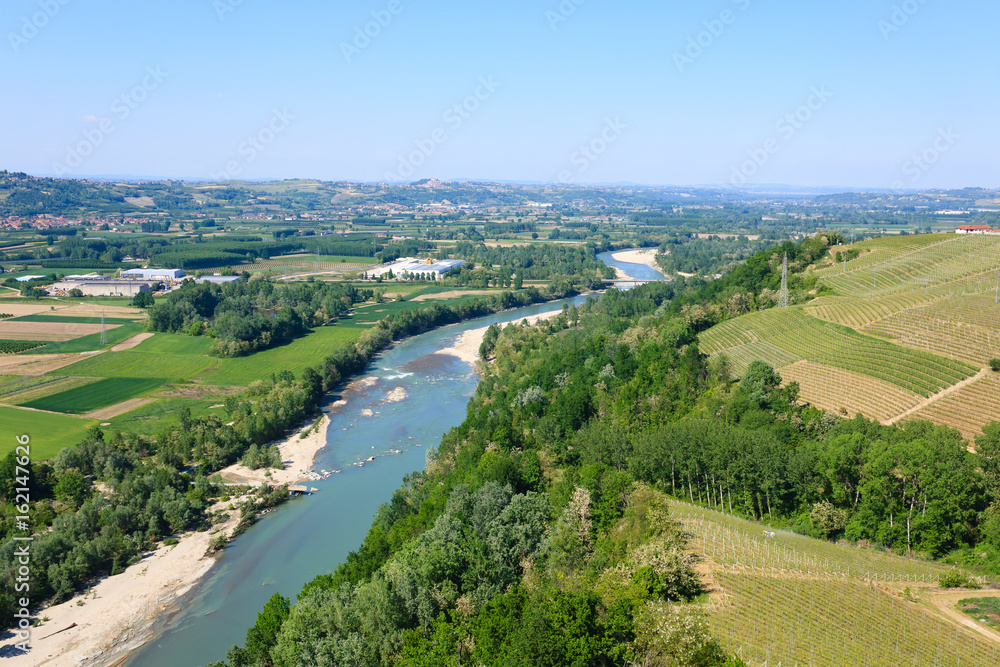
pixel 956 579
pixel 994 364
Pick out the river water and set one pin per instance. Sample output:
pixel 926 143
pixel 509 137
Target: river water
pixel 413 396
pixel 637 271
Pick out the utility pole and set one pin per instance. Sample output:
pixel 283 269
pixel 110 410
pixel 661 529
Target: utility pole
pixel 104 330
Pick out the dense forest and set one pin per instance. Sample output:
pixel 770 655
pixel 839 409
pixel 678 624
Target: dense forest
pixel 248 315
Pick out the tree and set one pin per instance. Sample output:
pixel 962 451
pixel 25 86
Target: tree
pixel 75 292
pixel 143 300
pixel 262 637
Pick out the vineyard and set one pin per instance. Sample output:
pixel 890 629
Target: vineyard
pixel 968 409
pixel 944 265
pixel 780 598
pixel 849 394
pixel 791 335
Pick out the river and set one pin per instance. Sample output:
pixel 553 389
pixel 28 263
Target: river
pixel 312 535
pixel 637 271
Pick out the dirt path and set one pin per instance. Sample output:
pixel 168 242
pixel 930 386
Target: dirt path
pixel 119 408
pixel 129 343
pixel 938 396
pixel 945 603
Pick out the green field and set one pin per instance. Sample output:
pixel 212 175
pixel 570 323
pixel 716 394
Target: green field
pixel 49 433
pixel 295 357
pixel 92 342
pixel 95 395
pixel 150 418
pixel 133 363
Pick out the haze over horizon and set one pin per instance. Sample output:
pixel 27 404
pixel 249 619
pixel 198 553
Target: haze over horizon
pixel 735 92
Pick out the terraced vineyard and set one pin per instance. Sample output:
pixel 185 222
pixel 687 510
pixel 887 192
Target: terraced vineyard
pixel 922 330
pixel 954 265
pixel 793 600
pixel 967 409
pixel 791 334
pixel 847 393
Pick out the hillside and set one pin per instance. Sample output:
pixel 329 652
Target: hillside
pixel 790 599
pixel 907 332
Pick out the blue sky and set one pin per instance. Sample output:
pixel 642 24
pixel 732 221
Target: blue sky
pixel 862 93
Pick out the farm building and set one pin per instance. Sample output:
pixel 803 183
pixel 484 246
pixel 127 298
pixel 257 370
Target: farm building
pixel 170 275
pixel 27 279
pixel 219 280
pixel 411 265
pixel 975 229
pixel 102 287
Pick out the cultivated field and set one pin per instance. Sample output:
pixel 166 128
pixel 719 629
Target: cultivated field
pixel 791 335
pixel 967 409
pixel 922 311
pixel 49 432
pixel 95 395
pixel 790 600
pixel 847 393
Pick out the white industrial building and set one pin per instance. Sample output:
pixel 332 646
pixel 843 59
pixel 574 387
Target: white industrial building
pixel 169 275
pixel 412 266
pixel 219 280
pixel 101 287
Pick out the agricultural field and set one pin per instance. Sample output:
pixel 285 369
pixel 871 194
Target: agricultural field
pixel 790 599
pixel 95 395
pixel 49 432
pixel 941 264
pixel 967 409
pixel 135 363
pixel 792 335
pixel 295 356
pixel 849 394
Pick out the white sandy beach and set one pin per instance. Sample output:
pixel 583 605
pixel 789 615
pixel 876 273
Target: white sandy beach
pixel 466 347
pixel 296 452
pixel 645 256
pixel 118 613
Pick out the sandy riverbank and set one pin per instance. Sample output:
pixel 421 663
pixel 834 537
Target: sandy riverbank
pixel 118 613
pixel 467 344
pixel 645 256
pixel 297 453
pixel 102 626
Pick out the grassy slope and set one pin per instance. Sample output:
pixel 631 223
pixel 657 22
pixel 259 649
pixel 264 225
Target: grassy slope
pixel 49 432
pixel 95 395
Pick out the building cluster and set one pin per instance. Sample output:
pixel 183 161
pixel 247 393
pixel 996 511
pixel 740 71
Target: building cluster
pixel 977 229
pixel 410 266
pixel 129 283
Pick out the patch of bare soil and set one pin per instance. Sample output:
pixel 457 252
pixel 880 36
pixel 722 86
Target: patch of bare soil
pixel 54 331
pixel 36 364
pixel 120 408
pixel 129 343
